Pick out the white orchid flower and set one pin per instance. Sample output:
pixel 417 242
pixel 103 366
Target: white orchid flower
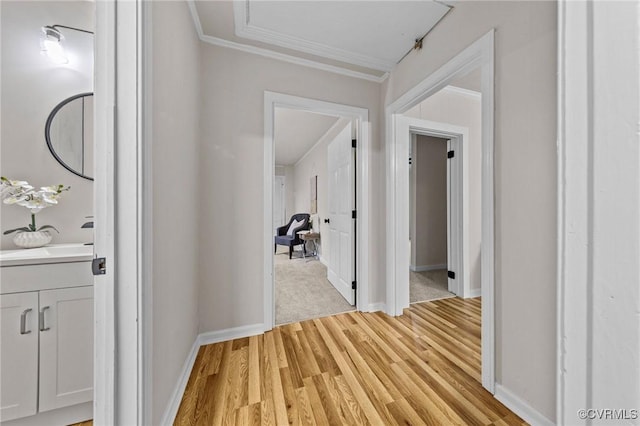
pixel 21 193
pixel 13 199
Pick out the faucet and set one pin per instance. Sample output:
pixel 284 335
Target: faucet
pixel 88 225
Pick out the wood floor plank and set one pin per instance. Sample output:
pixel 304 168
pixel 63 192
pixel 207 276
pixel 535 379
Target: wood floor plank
pixel 254 371
pixel 423 367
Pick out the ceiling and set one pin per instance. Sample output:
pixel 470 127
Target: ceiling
pixel 296 132
pixel 363 37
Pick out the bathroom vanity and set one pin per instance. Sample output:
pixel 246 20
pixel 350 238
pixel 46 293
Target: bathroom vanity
pixel 46 336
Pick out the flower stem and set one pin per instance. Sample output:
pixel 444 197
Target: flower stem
pixel 33 222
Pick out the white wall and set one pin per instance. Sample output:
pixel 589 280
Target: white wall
pixel 429 170
pixel 314 163
pixel 463 109
pixel 176 193
pixel 31 87
pixel 289 192
pixel 525 178
pixel 231 158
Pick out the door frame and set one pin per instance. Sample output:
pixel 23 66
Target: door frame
pixel 122 315
pixel 284 199
pixel 271 101
pixel 459 136
pixel 479 54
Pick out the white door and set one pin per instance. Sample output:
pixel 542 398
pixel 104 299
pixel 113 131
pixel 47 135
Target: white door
pixel 340 194
pixel 18 355
pixel 278 202
pixel 66 347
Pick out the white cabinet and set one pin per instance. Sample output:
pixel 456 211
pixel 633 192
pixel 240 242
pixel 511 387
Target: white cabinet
pixel 18 355
pixel 46 344
pixel 66 347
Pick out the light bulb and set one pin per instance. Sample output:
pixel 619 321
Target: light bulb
pixel 52 47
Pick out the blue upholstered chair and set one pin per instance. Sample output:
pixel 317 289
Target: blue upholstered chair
pixel 286 237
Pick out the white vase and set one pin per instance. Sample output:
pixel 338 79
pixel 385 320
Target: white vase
pixel 32 239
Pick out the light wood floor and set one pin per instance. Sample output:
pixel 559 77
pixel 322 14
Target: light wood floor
pixel 352 368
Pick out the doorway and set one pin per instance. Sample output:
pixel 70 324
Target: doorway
pixel 478 56
pixel 432 219
pixel 354 127
pixel 314 242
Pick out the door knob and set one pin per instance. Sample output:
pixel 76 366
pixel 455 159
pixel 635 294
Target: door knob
pixel 326 221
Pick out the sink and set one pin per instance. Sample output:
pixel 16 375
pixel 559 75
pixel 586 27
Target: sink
pixel 53 253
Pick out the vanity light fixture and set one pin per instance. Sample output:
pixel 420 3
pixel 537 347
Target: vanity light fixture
pixel 51 42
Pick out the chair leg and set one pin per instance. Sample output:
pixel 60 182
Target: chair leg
pixel 290 251
pixel 275 248
pixel 304 247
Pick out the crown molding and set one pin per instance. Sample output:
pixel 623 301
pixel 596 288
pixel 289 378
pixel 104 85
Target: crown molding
pixel 277 55
pixel 463 92
pixel 245 29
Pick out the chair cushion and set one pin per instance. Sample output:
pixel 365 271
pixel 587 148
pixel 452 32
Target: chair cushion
pixel 295 224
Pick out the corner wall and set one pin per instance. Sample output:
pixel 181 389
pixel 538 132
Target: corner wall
pixel 176 192
pixel 525 178
pixel 231 159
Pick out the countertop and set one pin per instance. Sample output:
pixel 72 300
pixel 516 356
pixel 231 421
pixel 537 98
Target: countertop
pixel 51 253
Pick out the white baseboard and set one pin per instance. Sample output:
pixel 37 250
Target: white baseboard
pixel 377 307
pixel 520 407
pixel 323 261
pixel 176 397
pixel 203 339
pixel 474 292
pixel 230 334
pixel 423 268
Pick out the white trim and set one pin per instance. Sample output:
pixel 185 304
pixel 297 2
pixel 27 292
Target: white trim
pixel 377 307
pixel 423 268
pixel 464 92
pixel 229 334
pixel 478 54
pixel 245 29
pixel 146 210
pixel 271 101
pixel 598 185
pixel 323 138
pixel 520 407
pixel 170 413
pixel 474 292
pixel 323 261
pixel 267 53
pixel 104 371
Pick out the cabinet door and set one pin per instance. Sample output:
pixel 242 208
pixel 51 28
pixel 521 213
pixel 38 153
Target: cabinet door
pixel 66 347
pixel 18 355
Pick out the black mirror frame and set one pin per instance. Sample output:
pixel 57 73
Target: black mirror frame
pixel 47 129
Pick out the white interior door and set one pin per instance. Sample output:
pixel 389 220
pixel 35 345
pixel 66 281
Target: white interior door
pixel 278 202
pixel 340 193
pixel 454 217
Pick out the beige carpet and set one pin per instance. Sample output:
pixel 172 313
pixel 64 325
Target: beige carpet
pixel 428 285
pixel 302 289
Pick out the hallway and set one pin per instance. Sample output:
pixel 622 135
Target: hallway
pixel 352 368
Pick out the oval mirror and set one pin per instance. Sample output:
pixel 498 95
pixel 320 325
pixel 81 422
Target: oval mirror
pixel 69 134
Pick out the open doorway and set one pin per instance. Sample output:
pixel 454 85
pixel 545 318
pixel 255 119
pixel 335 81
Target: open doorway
pixel 429 222
pixel 339 201
pixel 314 189
pixel 474 64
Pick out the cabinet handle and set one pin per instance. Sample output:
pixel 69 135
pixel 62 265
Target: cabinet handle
pixel 23 321
pixel 41 319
